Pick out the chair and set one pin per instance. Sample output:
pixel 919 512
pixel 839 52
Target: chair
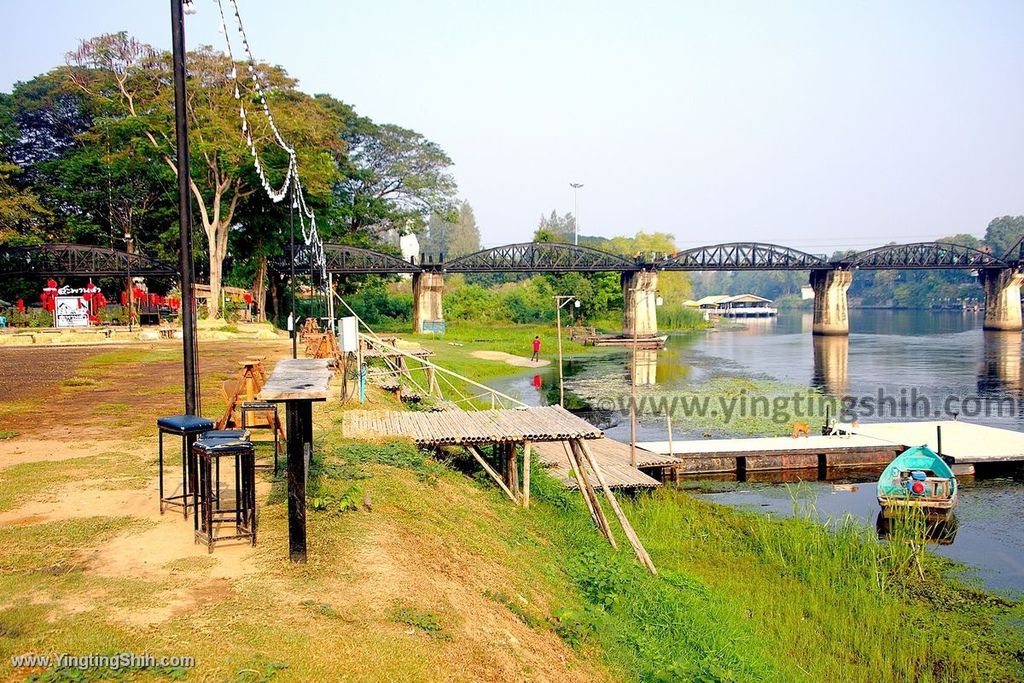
pixel 273 421
pixel 188 427
pixel 207 453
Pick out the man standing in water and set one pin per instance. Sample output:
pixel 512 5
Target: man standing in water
pixel 536 349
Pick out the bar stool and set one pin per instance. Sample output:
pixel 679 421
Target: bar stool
pixel 188 427
pixel 207 454
pixel 273 424
pixel 222 435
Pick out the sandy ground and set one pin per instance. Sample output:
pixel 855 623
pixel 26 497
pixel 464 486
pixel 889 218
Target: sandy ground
pixel 113 421
pixel 510 359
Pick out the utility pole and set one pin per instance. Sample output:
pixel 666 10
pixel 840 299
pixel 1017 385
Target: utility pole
pixel 576 211
pixel 188 320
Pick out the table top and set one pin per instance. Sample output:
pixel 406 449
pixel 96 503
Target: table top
pixel 302 379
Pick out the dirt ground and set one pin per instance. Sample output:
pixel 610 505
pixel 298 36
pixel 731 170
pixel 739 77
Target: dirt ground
pixel 87 548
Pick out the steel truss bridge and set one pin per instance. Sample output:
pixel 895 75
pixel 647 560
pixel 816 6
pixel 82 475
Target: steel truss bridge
pixel 53 260
pixel 529 257
pixel 543 257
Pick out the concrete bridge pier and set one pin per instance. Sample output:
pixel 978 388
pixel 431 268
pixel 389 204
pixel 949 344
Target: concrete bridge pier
pixel 639 309
pixel 427 291
pixel 1002 298
pixel 831 315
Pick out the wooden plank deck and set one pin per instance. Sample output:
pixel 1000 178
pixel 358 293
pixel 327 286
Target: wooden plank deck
pixel 461 427
pixel 611 455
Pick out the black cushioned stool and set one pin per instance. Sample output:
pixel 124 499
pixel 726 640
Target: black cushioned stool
pixel 275 421
pixel 207 453
pixel 188 427
pixel 228 435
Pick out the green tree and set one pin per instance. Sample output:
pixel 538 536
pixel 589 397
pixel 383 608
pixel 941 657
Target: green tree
pixel 392 177
pixel 131 82
pixel 1003 232
pixel 22 217
pixel 452 238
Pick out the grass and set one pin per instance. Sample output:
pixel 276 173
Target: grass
pixel 430 576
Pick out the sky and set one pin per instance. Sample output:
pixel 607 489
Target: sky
pixel 818 125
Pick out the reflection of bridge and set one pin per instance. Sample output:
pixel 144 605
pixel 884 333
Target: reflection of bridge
pixel 1001 277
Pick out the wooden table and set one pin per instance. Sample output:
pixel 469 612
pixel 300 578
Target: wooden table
pixel 298 383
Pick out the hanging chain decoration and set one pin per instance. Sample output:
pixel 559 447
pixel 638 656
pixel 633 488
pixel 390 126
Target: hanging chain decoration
pixel 291 184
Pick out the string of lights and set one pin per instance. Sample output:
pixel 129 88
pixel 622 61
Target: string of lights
pixel 292 183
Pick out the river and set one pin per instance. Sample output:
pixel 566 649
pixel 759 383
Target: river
pixel 894 366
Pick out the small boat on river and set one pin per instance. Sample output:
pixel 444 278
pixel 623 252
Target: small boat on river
pixel 918 478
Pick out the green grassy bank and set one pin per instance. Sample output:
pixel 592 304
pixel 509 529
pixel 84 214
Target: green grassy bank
pixel 739 596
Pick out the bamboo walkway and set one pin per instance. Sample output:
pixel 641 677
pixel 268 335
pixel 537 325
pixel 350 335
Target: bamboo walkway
pixel 459 427
pixel 613 458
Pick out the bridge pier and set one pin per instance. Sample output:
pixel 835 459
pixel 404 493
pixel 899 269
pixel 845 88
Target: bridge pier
pixel 639 307
pixel 1002 298
pixel 427 292
pixel 831 315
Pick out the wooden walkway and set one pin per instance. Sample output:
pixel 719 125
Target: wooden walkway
pixel 613 458
pixel 460 427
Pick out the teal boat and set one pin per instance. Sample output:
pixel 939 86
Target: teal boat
pixel 918 478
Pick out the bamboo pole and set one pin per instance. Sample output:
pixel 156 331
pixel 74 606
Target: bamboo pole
pixel 634 540
pixel 490 470
pixel 579 484
pixel 668 419
pixel 602 520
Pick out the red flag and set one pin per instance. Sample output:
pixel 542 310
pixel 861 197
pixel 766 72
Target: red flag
pixel 21 305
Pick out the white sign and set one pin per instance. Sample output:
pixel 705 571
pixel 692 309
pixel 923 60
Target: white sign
pixel 348 333
pixel 70 311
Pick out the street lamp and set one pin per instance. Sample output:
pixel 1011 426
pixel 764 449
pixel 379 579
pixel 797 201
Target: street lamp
pixel 575 211
pixel 562 300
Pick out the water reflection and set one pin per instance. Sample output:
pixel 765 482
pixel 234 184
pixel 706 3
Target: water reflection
pixel 645 367
pixel 831 364
pixel 937 531
pixel 1000 370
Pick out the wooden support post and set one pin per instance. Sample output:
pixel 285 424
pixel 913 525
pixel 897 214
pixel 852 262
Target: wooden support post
pixel 490 470
pixel 297 412
pixel 602 521
pixel 513 467
pixel 634 540
pixel 526 474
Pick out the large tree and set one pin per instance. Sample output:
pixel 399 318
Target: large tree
pixel 1003 232
pixel 132 83
pixel 393 178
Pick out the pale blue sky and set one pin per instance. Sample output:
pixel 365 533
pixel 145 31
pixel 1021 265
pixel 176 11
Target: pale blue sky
pixel 814 124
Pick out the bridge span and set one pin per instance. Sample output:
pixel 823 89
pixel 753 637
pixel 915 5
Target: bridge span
pixel 1001 277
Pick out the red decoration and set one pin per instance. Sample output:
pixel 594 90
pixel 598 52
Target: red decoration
pixel 248 298
pixel 21 305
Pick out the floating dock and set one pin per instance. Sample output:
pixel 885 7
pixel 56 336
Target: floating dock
pixel 963 444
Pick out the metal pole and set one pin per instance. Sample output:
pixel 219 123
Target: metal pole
pixel 188 321
pixel 561 387
pixel 576 211
pixel 632 388
pixel 128 267
pixel 291 282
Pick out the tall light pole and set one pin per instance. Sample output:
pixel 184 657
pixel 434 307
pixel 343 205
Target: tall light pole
pixel 188 321
pixel 576 211
pixel 562 300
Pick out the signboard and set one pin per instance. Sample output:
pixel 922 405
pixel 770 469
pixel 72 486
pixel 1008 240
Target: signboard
pixel 348 336
pixel 71 312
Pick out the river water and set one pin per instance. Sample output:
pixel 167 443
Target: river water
pixel 894 366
